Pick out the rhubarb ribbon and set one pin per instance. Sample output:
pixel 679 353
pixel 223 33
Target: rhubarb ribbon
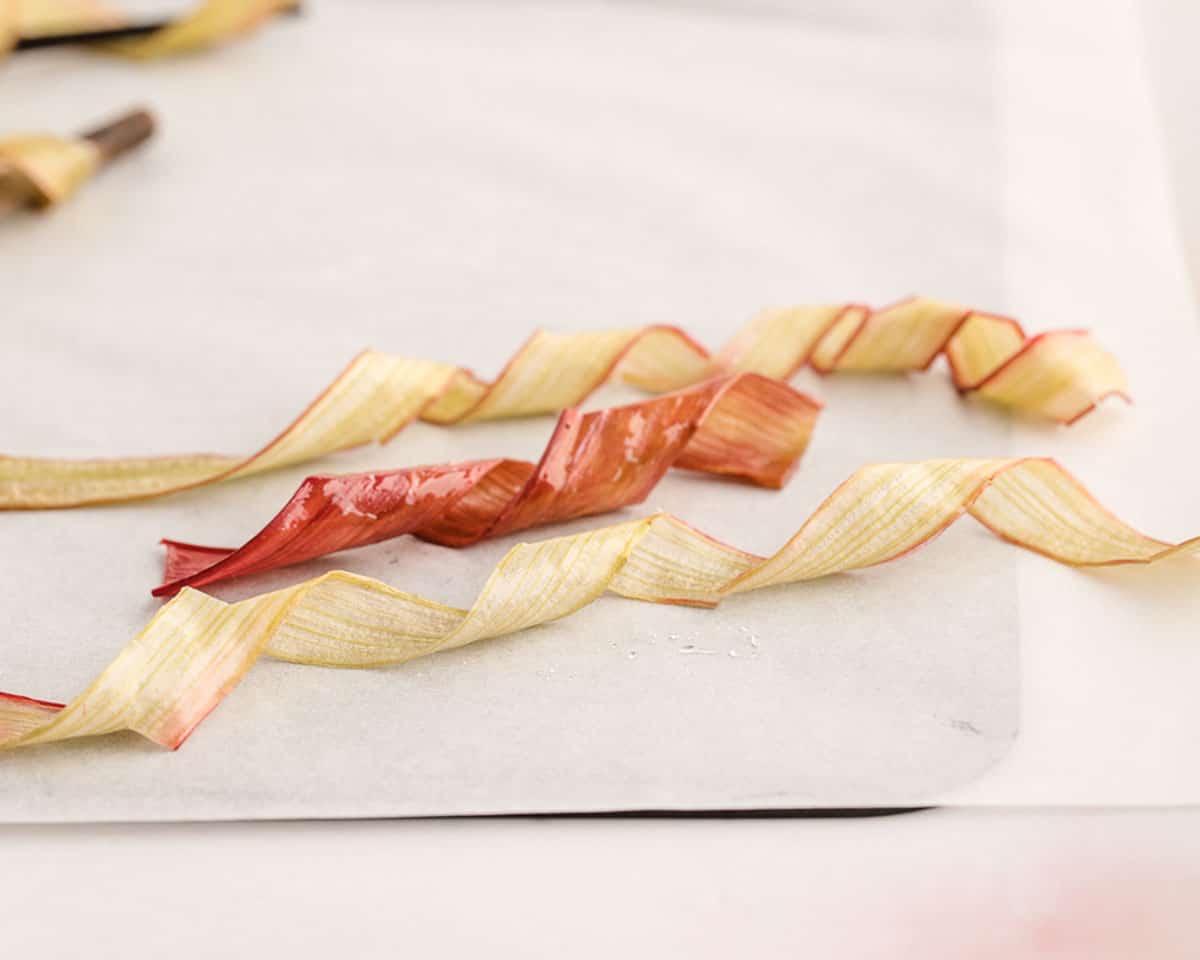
pixel 1060 375
pixel 40 18
pixel 213 21
pixel 746 426
pixel 43 170
pixel 210 22
pixel 197 648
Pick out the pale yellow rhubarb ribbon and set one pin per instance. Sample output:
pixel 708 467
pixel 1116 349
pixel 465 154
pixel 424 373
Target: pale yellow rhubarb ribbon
pixel 210 22
pixel 42 170
pixel 1060 375
pixel 39 18
pixel 197 648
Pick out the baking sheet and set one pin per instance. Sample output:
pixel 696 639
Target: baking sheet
pixel 438 180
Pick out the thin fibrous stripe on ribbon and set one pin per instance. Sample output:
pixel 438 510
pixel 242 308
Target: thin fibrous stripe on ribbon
pixel 1059 375
pixel 746 426
pixel 197 648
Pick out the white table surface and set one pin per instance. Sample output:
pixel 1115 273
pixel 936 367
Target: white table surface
pixel 930 886
pixel 977 883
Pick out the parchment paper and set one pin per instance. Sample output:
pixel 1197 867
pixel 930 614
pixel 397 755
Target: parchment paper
pixel 439 179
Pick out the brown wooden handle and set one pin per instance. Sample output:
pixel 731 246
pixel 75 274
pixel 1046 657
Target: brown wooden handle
pixel 122 134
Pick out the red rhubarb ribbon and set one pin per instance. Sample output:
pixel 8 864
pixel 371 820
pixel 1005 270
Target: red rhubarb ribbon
pixel 747 426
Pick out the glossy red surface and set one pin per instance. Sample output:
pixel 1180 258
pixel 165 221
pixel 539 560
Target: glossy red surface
pixel 746 426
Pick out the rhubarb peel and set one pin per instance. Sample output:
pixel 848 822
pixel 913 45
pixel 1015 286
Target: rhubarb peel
pixel 208 23
pixel 43 170
pixel 746 426
pixel 211 22
pixel 36 18
pixel 197 648
pixel 1059 375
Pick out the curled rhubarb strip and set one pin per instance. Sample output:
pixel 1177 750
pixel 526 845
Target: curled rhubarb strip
pixel 1059 375
pixel 210 22
pixel 197 648
pixel 374 398
pixel 36 18
pixel 744 426
pixel 43 170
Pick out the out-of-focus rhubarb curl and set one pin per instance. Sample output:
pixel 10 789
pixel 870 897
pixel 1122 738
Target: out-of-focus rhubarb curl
pixel 42 170
pixel 40 18
pixel 197 648
pixel 209 23
pixel 212 22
